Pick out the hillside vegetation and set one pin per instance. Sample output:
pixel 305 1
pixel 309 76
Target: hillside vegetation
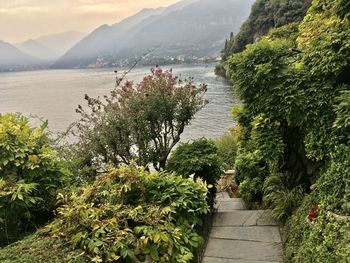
pixel 294 151
pixel 265 15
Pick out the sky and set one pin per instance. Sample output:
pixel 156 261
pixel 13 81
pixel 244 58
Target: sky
pixel 28 19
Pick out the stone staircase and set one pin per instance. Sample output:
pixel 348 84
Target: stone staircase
pixel 242 236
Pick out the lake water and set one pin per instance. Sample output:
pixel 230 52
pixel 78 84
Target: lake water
pixel 55 94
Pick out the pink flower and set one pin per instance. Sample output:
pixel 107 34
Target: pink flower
pixel 158 71
pixel 141 85
pixel 128 84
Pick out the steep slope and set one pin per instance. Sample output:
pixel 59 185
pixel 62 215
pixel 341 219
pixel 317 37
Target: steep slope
pixel 266 14
pixel 198 29
pixel 105 39
pixel 10 56
pixel 191 27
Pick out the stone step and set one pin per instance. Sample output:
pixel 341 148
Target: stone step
pixel 243 250
pixel 230 205
pixel 269 234
pixel 244 218
pixel 227 260
pixel 223 195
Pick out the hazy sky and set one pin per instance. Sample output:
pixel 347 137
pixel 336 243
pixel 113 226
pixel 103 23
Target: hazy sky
pixel 24 19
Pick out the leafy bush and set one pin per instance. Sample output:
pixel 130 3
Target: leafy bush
pixel 199 158
pixel 328 234
pixel 294 91
pixel 227 149
pixel 30 173
pixel 138 122
pixel 281 196
pixel 248 165
pixel 250 172
pixel 130 215
pixel 267 137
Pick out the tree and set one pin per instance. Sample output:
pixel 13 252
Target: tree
pixel 139 122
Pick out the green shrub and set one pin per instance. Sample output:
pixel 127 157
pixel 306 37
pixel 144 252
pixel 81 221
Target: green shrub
pixel 328 234
pixel 248 165
pixel 199 158
pixel 30 173
pixel 281 196
pixel 267 137
pixel 227 150
pixel 130 215
pixel 250 172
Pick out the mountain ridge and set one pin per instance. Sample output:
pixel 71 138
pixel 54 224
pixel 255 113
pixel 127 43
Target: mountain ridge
pixel 196 28
pixel 50 47
pixel 12 57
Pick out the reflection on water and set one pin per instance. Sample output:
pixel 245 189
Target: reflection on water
pixel 55 94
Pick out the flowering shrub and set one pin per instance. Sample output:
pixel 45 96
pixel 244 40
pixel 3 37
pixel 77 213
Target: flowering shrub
pixel 139 121
pixel 131 215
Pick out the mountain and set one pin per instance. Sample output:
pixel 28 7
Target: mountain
pixel 103 40
pixel 50 47
pixel 11 57
pixel 35 49
pixel 189 28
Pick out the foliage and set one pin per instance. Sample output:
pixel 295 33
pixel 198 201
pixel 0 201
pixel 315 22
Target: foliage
pixel 265 15
pixel 39 249
pixel 227 149
pixel 30 173
pixel 131 215
pixel 138 122
pixel 294 88
pixel 199 158
pixel 329 232
pixel 250 172
pixel 280 194
pixel 342 121
pixel 267 137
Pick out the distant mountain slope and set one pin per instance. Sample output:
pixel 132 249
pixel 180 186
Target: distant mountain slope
pixel 190 27
pixel 198 29
pixel 62 42
pixel 104 40
pixel 11 56
pixel 35 49
pixel 50 47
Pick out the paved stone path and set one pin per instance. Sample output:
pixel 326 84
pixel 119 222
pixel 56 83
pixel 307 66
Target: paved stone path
pixel 242 236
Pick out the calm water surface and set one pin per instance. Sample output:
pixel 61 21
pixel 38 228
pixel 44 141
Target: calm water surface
pixel 55 94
